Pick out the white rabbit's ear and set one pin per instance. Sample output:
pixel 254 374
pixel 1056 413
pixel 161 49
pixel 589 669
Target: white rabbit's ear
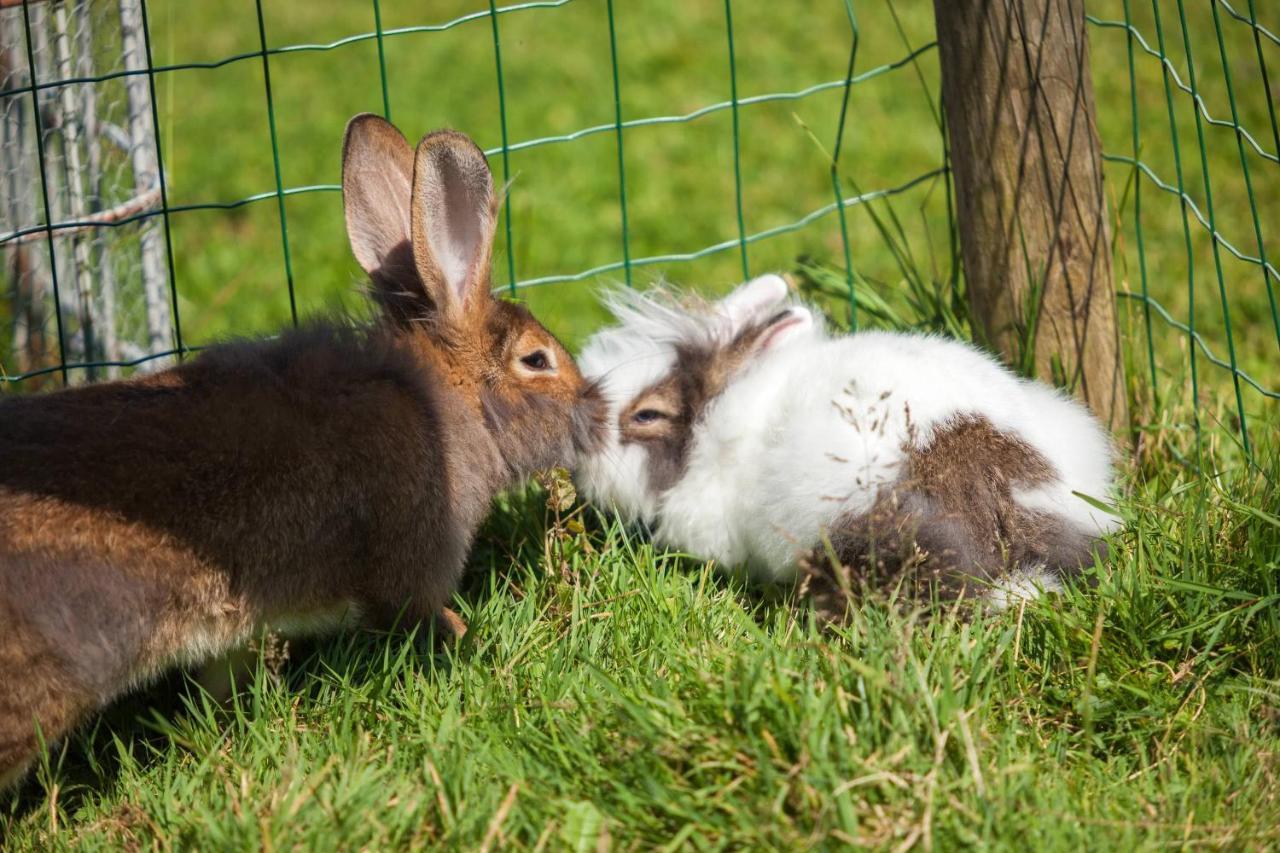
pixel 752 302
pixel 795 321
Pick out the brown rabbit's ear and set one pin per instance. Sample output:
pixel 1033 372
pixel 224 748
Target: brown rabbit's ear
pixel 455 211
pixel 377 187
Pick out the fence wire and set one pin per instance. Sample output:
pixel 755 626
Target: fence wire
pixel 85 223
pixel 1171 30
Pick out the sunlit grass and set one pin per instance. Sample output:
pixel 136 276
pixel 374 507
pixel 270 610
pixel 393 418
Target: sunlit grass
pixel 608 693
pixel 630 696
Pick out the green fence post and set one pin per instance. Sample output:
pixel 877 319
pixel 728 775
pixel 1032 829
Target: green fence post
pixel 835 165
pixel 1213 230
pixel 382 60
pixel 275 160
pixel 737 141
pixel 1137 208
pixel 617 128
pixel 506 162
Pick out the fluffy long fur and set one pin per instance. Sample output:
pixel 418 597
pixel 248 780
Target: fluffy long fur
pixel 815 428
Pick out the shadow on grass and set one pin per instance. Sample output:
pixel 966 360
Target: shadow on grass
pixel 139 728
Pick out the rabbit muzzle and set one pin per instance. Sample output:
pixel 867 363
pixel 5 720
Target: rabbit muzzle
pixel 589 428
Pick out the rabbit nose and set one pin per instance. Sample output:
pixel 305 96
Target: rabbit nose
pixel 590 418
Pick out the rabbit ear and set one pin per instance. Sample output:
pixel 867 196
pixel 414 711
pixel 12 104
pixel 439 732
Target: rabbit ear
pixel 796 320
pixel 377 180
pixel 455 211
pixel 752 302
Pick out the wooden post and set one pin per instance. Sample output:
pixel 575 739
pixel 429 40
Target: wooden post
pixel 1028 176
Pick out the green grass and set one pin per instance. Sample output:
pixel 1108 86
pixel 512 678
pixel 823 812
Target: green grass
pixel 612 694
pixel 608 694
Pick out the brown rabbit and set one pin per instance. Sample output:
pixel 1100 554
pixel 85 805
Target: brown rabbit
pixel 335 473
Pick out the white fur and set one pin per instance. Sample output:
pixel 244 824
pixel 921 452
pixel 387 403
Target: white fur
pixel 750 301
pixel 813 426
pixel 1022 585
pixel 625 365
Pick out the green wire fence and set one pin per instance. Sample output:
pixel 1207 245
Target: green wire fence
pixel 1196 90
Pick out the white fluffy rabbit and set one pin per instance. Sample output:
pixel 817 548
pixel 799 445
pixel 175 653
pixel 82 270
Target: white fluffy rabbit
pixel 742 431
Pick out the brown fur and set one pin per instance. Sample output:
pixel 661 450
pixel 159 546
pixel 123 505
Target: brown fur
pixel 335 471
pixel 950 524
pixel 699 376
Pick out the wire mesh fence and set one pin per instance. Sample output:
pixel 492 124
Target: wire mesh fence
pixel 91 291
pixel 102 255
pixel 1204 135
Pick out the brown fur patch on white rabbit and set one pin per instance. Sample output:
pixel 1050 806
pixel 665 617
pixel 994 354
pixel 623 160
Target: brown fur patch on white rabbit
pixel 702 369
pixel 949 525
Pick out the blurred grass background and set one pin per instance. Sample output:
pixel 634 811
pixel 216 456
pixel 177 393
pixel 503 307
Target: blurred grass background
pixel 673 59
pixel 565 213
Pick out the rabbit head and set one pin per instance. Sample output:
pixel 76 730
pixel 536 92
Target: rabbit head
pixel 421 224
pixel 661 367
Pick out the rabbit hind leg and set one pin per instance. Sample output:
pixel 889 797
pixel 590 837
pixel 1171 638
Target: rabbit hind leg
pixel 40 699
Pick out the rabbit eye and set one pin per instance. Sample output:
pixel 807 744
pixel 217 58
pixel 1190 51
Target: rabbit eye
pixel 536 361
pixel 647 416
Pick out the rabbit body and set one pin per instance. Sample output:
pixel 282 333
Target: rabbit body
pixel 813 433
pixel 883 441
pixel 290 484
pixel 336 474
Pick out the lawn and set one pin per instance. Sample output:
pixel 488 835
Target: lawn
pixel 612 695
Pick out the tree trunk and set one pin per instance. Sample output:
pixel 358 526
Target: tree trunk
pixel 1028 176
